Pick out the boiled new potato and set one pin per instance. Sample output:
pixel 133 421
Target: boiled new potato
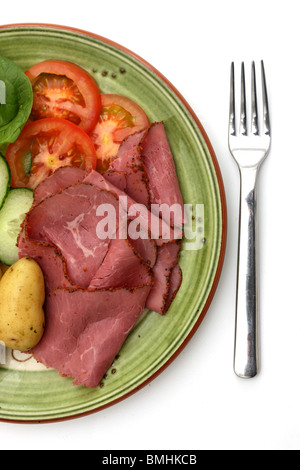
pixel 22 296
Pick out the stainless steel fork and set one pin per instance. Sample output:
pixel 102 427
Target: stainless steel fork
pixel 249 145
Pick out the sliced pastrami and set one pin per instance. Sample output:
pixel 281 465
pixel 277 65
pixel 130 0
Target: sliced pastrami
pixel 162 293
pixel 117 178
pixel 68 220
pixel 60 179
pixel 85 330
pixel 160 168
pixel 146 248
pixel 150 225
pixel 49 259
pixel 175 284
pixel 129 161
pixel 122 267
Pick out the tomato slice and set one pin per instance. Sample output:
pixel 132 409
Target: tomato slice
pixel 64 90
pixel 120 117
pixel 45 145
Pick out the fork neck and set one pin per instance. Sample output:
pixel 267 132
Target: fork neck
pixel 248 178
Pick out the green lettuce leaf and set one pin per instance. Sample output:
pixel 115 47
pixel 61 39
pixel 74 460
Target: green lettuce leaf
pixel 16 99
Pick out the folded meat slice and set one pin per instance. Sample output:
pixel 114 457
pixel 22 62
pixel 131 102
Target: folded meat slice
pixel 151 225
pixel 175 284
pixel 161 173
pixel 68 220
pixel 146 248
pixel 60 179
pixel 129 161
pixel 166 277
pixel 122 267
pixel 85 330
pixel 117 178
pixel 49 259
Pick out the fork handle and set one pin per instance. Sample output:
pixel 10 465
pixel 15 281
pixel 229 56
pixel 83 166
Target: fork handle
pixel 246 334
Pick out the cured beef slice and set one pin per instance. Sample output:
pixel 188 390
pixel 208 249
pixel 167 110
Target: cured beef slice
pixel 116 178
pixel 60 179
pixel 151 225
pixel 166 284
pixel 68 220
pixel 49 259
pixel 146 248
pixel 129 161
pixel 86 329
pixel 174 286
pixel 122 267
pixel 161 172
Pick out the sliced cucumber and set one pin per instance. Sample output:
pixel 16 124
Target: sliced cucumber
pixel 4 180
pixel 17 203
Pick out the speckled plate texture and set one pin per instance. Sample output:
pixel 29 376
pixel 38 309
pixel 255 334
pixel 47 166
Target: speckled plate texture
pixel 32 393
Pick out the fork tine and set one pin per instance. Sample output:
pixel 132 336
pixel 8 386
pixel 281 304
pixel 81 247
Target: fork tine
pixel 243 123
pixel 267 126
pixel 232 125
pixel 254 112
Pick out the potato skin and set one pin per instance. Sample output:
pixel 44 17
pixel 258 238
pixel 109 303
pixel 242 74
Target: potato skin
pixel 22 296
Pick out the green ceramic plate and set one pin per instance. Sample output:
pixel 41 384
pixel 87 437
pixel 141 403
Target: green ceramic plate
pixel 34 394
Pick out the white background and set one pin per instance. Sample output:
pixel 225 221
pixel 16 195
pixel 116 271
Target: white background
pixel 198 402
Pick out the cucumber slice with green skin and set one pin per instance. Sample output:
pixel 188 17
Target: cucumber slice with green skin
pixel 17 203
pixel 4 180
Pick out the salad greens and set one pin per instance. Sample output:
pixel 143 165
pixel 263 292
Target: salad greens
pixel 16 99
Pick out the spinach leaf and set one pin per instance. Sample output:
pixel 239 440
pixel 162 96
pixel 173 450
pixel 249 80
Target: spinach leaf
pixel 15 100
